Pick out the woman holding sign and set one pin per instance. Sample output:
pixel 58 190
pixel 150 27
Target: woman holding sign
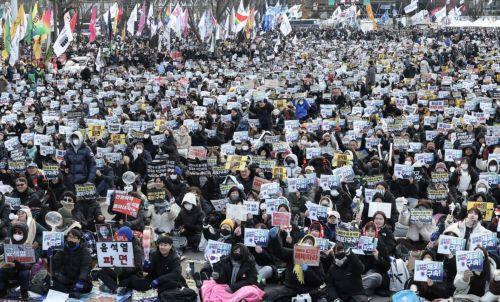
pixel 429 289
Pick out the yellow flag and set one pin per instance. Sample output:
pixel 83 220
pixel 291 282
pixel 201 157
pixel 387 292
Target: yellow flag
pixel 19 21
pixel 369 12
pixel 37 47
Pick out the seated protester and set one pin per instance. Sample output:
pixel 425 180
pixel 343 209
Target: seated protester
pixel 35 230
pixel 482 285
pixel 87 212
pixel 236 195
pixel 104 179
pixel 299 279
pixel 135 223
pixel 482 192
pixel 71 266
pixel 387 197
pixel 289 235
pixel 16 271
pixel 189 222
pixel 385 235
pixel 404 187
pixel 464 177
pixel 163 269
pixel 112 278
pixel 470 225
pixel 23 192
pixel 234 278
pixel 449 261
pixel 5 222
pixel 343 280
pixel 330 227
pixel 265 261
pixel 376 265
pixel 225 233
pixel 417 231
pixel 298 202
pixel 162 213
pixel 429 289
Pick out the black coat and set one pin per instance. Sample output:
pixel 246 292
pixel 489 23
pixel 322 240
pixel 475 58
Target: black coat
pixel 345 281
pixel 81 165
pixel 165 268
pixel 263 115
pixel 247 274
pixel 86 212
pixel 72 266
pixel 192 220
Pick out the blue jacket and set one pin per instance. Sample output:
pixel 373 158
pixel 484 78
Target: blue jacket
pixel 301 110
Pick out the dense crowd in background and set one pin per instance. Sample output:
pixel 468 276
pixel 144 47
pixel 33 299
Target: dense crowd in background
pixel 341 121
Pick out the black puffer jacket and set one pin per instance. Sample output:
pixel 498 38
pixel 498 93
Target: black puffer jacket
pixel 4 217
pixel 247 273
pixel 192 220
pixel 345 281
pixel 165 268
pixel 70 266
pixel 86 212
pixel 80 161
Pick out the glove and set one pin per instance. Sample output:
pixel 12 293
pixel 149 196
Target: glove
pixel 155 283
pixel 147 264
pixel 435 236
pixel 79 286
pixel 348 251
pixel 304 267
pixel 273 233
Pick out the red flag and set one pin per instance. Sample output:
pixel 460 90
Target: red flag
pixel 120 14
pixel 73 21
pixel 92 28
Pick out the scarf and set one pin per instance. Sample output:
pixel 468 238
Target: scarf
pixel 299 273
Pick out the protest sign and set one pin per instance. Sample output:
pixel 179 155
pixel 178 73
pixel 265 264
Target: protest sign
pixel 219 204
pixel 19 252
pixel 254 237
pixel 85 191
pixel 469 260
pixel 280 219
pixel 216 250
pixel 450 245
pixel 306 255
pixel 257 183
pixel 236 162
pixel 486 208
pixel 197 153
pixel 51 171
pixel 104 232
pixel 279 173
pixel 297 184
pixel 126 204
pixel 54 240
pixel 440 177
pixel 269 190
pixel 198 169
pixel 253 207
pixel 316 212
pixel 13 202
pixel 156 195
pixel 423 216
pixel 236 212
pixel 367 244
pixel 219 171
pixel 324 244
pixel 487 241
pixel 115 254
pixel 348 237
pixel 379 206
pixel 465 138
pixel 372 181
pixel 437 195
pixel 17 166
pixel 157 169
pixel 428 270
pixel 403 171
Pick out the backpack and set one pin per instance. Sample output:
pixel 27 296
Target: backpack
pixel 398 275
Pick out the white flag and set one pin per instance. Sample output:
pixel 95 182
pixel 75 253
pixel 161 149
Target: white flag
pixel 14 47
pixel 98 61
pixel 295 40
pixel 336 14
pixel 202 28
pixel 440 14
pixel 411 7
pixel 132 19
pixel 13 9
pixel 65 37
pixel 285 26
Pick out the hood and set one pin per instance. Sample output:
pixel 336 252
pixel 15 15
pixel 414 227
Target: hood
pixel 190 198
pixel 430 253
pixel 424 203
pixel 23 227
pixel 452 228
pixel 238 188
pixel 80 139
pixel 294 157
pixel 482 182
pixel 493 161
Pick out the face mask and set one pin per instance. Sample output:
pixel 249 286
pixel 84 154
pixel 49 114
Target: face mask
pixel 173 176
pixel 335 193
pixel 306 244
pixel 76 141
pixel 464 166
pixel 18 237
pixel 244 148
pixel 291 165
pixel 481 190
pixel 139 150
pixel 340 262
pixel 234 197
pixel 237 257
pixel 225 232
pixel 417 127
pixel 303 142
pixel 146 136
pixel 408 163
pixel 72 244
pixel 492 168
pixel 188 206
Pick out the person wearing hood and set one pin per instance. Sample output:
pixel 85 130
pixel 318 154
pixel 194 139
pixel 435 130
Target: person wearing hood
pixel 417 231
pixel 262 111
pixel 71 266
pixel 301 109
pixel 464 177
pixel 234 278
pixel 429 289
pixel 293 169
pixel 5 222
pixel 385 234
pixel 482 192
pixel 341 202
pixel 34 237
pixel 225 233
pixel 80 161
pixel 330 227
pixel 87 212
pixel 18 271
pixel 278 120
pixel 236 195
pixel 176 185
pixel 140 159
pixel 124 275
pixel 182 138
pixel 344 280
pixel 246 179
pixel 189 222
pixel 299 278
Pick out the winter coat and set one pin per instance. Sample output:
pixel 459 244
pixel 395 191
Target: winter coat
pixel 462 288
pixel 138 261
pixel 301 109
pixel 165 268
pixel 416 229
pixel 86 212
pixel 81 162
pixel 192 221
pixel 182 141
pixel 438 290
pixel 460 228
pixel 72 266
pixel 27 197
pixel 135 223
pixel 5 222
pixel 247 274
pixel 295 171
pixel 263 115
pixel 163 222
pixel 345 281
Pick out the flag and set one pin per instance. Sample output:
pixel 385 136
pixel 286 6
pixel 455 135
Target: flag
pixel 295 11
pixel 150 18
pixel 132 19
pixel 117 18
pixel 6 38
pixel 440 14
pixel 285 26
pixel 37 47
pixel 92 28
pixel 250 23
pixel 173 22
pixel 29 30
pixel 411 7
pixel 336 14
pixel 142 21
pixel 295 40
pixel 43 26
pixel 13 9
pixel 65 37
pixel 369 12
pixel 98 61
pixel 20 22
pixel 385 17
pixel 14 46
pixel 73 21
pixel 240 18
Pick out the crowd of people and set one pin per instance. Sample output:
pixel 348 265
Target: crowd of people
pixel 387 137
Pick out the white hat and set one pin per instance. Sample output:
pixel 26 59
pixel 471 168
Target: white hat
pixel 334 213
pixel 189 198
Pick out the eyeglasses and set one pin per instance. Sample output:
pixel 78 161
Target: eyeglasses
pixel 69 199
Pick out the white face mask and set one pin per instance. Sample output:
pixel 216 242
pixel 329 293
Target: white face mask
pixel 291 165
pixel 18 237
pixel 139 150
pixel 464 166
pixel 335 193
pixel 408 163
pixel 340 262
pixel 481 190
pixel 492 168
pixel 173 176
pixel 303 142
pixel 188 206
pixel 417 127
pixel 244 148
pixel 76 141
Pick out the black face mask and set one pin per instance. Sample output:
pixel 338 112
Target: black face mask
pixel 237 257
pixel 225 232
pixel 71 244
pixel 340 255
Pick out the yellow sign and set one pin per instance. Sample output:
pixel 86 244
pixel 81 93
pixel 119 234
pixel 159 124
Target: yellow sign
pixel 341 159
pixel 486 208
pixel 118 138
pixel 96 131
pixel 237 162
pixel 279 173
